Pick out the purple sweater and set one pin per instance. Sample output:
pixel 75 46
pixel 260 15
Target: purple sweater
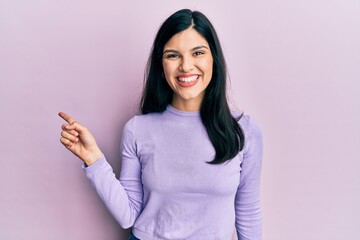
pixel 168 191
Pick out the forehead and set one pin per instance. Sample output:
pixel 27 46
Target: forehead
pixel 186 40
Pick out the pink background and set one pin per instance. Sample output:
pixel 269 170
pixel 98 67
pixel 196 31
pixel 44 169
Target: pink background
pixel 294 66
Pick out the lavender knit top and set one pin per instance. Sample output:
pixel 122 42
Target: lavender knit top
pixel 167 190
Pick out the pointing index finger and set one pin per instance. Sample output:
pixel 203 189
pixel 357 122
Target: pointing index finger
pixel 66 117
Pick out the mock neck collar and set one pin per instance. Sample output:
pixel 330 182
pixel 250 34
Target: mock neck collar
pixel 178 112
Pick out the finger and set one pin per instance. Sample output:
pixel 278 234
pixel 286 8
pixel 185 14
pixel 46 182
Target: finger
pixel 77 127
pixel 73 124
pixel 66 142
pixel 66 117
pixel 65 127
pixel 68 136
pixel 73 132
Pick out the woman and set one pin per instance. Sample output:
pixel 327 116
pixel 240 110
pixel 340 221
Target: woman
pixel 190 167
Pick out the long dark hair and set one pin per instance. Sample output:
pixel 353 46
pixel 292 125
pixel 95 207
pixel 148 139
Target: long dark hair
pixel 223 129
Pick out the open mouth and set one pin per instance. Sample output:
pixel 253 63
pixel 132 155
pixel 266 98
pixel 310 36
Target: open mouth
pixel 187 81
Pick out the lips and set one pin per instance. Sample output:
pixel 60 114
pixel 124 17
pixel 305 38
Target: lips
pixel 187 80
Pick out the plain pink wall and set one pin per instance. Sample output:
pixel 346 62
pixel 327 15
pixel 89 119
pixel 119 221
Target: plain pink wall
pixel 294 66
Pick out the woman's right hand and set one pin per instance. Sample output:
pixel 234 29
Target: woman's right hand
pixel 79 140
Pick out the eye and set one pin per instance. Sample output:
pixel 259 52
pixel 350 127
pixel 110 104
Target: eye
pixel 198 53
pixel 171 56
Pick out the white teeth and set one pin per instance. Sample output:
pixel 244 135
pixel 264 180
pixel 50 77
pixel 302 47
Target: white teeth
pixel 189 79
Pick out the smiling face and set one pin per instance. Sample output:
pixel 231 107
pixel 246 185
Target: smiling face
pixel 188 68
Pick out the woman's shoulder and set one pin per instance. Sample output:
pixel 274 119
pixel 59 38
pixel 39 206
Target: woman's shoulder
pixel 141 121
pixel 248 124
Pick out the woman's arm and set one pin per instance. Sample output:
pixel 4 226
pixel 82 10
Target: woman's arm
pixel 247 201
pixel 122 198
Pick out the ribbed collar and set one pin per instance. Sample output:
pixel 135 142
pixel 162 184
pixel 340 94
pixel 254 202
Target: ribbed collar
pixel 178 112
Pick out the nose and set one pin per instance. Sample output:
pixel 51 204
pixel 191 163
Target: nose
pixel 186 64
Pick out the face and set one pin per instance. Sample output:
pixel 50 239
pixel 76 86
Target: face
pixel 188 68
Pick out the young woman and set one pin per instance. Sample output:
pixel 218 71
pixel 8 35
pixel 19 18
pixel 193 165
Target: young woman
pixel 190 166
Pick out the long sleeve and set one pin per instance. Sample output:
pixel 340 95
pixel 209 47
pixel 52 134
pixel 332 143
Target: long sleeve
pixel 247 200
pixel 122 197
pixel 167 190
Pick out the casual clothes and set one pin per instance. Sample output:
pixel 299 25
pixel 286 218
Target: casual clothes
pixel 167 190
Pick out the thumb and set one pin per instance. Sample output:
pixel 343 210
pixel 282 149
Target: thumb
pixel 77 127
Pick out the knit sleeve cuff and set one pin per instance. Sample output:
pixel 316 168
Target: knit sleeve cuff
pixel 95 166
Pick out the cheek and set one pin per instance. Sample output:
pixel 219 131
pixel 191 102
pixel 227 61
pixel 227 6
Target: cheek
pixel 207 68
pixel 168 72
pixel 168 69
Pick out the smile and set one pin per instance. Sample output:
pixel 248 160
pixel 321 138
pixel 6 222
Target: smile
pixel 187 80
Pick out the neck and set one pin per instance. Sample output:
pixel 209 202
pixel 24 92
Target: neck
pixel 187 106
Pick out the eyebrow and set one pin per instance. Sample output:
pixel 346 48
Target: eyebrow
pixel 193 49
